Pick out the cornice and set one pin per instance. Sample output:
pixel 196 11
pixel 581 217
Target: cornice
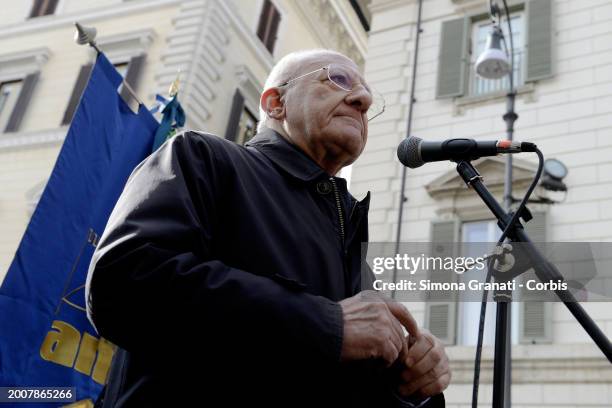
pixel 43 23
pixel 333 27
pixel 22 63
pixel 20 140
pixel 246 35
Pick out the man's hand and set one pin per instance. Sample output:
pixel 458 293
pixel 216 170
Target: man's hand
pixel 426 371
pixel 373 328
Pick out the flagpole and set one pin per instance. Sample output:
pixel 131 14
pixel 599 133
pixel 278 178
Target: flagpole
pixel 87 35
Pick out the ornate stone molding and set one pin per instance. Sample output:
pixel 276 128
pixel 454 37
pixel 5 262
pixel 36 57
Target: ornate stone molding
pixel 245 33
pixel 335 26
pixel 492 169
pixel 19 64
pixel 383 5
pixel 19 140
pixel 454 198
pixel 249 86
pixel 89 16
pixel 126 45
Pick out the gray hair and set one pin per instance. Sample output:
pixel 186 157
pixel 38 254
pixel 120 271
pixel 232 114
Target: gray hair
pixel 287 68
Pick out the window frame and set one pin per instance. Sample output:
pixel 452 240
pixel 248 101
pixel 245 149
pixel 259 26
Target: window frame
pixel 239 107
pixel 263 30
pixel 475 23
pixel 452 81
pixel 23 66
pixel 38 7
pixel 462 323
pixel 10 81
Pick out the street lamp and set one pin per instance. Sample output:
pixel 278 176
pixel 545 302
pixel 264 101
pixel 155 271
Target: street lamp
pixel 493 63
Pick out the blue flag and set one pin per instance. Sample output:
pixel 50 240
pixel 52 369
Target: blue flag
pixel 45 337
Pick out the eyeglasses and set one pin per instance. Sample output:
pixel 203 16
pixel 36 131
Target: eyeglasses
pixel 343 80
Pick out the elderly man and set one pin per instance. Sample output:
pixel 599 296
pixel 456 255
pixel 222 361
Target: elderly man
pixel 233 274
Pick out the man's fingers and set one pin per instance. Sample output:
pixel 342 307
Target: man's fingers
pixel 390 351
pixel 433 362
pixel 418 350
pixel 439 375
pixel 436 387
pixel 405 318
pixel 399 338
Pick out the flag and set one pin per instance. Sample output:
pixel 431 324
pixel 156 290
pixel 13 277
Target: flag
pixel 46 339
pixel 173 118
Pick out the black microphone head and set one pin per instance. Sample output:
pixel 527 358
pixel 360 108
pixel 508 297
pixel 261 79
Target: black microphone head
pixel 409 152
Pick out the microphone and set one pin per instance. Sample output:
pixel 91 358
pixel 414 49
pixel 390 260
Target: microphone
pixel 413 152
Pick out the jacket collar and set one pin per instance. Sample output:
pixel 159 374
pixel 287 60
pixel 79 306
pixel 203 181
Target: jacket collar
pixel 286 155
pixel 293 161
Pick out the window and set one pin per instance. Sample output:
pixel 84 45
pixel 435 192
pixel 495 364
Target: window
pixel 129 70
pixel 456 322
pixel 462 39
pixel 480 33
pixel 242 124
pixel 122 68
pixel 9 92
pixel 15 98
pixel 247 126
pixel 469 312
pixel 268 25
pixel 43 8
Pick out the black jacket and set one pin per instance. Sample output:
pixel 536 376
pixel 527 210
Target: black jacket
pixel 219 273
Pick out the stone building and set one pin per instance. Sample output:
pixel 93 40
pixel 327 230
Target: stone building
pixel 223 49
pixel 563 72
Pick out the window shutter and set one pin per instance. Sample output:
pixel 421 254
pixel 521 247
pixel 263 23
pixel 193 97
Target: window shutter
pixel 27 89
pixel 273 32
pixel 36 8
pixel 263 20
pixel 268 25
pixel 452 62
pixel 77 91
pixel 535 317
pixel 234 117
pixel 440 313
pixel 132 76
pixel 43 8
pixel 539 40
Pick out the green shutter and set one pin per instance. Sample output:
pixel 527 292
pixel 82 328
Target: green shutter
pixel 440 313
pixel 539 39
pixel 535 317
pixel 452 62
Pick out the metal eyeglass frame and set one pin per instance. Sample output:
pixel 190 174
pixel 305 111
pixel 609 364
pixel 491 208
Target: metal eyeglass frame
pixel 326 68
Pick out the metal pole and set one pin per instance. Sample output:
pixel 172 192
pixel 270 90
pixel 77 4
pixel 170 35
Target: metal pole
pixel 510 117
pixel 402 198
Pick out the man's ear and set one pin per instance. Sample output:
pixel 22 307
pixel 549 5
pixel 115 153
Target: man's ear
pixel 272 104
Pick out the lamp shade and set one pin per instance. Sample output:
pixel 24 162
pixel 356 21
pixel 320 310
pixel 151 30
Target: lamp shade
pixel 493 63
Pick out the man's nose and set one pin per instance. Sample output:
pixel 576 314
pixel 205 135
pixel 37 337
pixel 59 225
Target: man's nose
pixel 359 98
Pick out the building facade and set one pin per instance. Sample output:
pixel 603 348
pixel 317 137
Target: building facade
pixel 222 51
pixel 563 74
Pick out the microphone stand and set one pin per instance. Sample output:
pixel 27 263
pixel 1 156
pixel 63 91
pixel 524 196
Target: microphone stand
pixel 544 270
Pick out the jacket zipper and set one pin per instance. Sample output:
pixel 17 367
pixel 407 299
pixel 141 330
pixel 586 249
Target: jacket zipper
pixel 347 285
pixel 339 207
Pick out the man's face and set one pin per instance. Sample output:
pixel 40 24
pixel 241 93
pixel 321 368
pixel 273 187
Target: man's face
pixel 325 117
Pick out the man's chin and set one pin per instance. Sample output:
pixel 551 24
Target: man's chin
pixel 349 145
